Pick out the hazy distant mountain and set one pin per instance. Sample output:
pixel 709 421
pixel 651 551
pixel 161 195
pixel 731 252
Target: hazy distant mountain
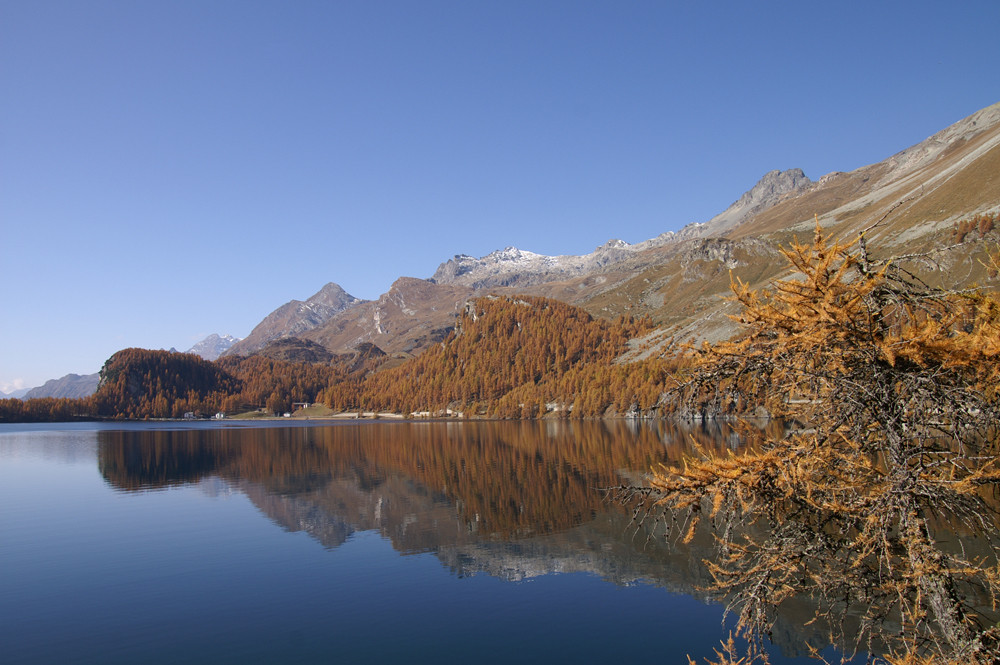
pixel 296 317
pixel 14 394
pixel 213 346
pixel 71 386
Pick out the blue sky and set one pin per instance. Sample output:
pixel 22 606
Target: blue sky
pixel 173 169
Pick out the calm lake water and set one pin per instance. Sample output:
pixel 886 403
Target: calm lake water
pixel 346 543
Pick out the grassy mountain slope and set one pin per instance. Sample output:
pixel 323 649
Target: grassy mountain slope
pixel 920 195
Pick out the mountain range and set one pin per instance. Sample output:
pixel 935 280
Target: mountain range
pixel 909 203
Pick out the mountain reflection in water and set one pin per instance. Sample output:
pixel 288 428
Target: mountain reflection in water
pixel 514 500
pixel 509 480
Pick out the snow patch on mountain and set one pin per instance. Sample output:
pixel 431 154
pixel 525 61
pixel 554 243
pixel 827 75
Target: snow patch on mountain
pixel 213 346
pixel 516 267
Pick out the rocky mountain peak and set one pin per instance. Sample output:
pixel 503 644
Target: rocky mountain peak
pixel 296 317
pixel 508 254
pixel 773 185
pixel 515 267
pixel 614 243
pixel 332 295
pixel 770 190
pixel 466 269
pixel 683 273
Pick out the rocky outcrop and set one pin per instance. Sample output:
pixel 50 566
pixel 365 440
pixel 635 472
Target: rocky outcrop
pixel 931 149
pixel 513 267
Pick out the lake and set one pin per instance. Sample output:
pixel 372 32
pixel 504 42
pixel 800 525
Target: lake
pixel 371 542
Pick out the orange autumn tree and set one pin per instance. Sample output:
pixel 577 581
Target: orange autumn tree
pixel 509 357
pixel 891 388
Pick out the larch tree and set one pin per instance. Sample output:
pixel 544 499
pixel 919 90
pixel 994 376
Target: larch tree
pixel 890 388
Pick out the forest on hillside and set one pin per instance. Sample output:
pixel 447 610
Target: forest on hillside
pixel 508 357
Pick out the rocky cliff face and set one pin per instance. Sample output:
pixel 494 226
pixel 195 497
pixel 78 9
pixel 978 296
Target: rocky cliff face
pixel 933 148
pixel 908 203
pixel 927 187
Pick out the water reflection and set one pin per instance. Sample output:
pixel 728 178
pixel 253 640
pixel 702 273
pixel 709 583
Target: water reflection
pixel 514 500
pixel 504 479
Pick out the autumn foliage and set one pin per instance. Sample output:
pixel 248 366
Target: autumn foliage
pixel 509 357
pixel 892 390
pixel 979 225
pixel 517 357
pixel 140 384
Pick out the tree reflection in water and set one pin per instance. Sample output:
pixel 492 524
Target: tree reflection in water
pixel 510 499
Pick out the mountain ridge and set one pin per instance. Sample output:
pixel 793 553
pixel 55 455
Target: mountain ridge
pixel 71 386
pixel 681 278
pixel 516 267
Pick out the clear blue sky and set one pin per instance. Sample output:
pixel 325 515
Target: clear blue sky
pixel 171 169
